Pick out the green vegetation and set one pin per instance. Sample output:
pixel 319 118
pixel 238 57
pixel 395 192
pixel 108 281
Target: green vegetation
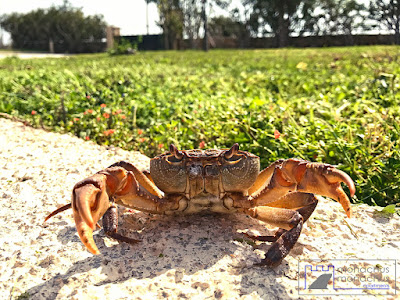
pixel 338 106
pixel 124 46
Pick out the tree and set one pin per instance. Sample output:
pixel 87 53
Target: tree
pixel 182 19
pixel 387 15
pixel 274 17
pixel 171 21
pixel 230 27
pixel 193 20
pixel 333 17
pixel 65 26
pixel 225 26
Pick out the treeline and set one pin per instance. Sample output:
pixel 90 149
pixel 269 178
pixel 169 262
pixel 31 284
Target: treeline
pixel 56 29
pixel 184 19
pixel 66 29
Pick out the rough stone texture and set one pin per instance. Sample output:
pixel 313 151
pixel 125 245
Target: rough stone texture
pixel 185 257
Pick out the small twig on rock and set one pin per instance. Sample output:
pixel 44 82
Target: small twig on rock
pixel 351 229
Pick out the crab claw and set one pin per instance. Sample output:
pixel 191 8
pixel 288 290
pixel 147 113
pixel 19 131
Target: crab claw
pixel 321 179
pixel 90 200
pixel 89 203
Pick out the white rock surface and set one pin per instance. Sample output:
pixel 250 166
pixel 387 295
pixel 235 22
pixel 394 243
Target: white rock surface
pixel 195 257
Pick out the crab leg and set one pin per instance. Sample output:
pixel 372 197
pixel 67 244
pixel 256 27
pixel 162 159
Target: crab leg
pixel 57 211
pixel 299 175
pixel 110 225
pixel 304 203
pixel 264 177
pixel 143 178
pixel 289 220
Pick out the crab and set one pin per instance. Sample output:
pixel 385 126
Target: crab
pixel 219 181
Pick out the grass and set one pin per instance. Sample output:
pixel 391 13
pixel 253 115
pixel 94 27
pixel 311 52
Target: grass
pixel 333 105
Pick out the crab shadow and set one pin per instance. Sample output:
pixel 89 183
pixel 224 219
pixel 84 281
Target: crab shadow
pixel 185 244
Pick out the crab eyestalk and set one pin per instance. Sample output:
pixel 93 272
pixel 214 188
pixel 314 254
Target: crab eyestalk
pixel 175 152
pixel 231 152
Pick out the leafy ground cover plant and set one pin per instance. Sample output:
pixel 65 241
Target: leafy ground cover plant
pixel 337 105
pixel 124 46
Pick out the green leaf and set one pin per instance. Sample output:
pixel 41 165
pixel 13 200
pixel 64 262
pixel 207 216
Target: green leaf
pixel 390 209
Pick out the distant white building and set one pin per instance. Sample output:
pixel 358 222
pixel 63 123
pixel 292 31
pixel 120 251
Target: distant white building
pixel 1 38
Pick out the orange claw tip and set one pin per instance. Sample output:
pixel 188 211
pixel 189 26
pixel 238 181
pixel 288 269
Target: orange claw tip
pixel 349 213
pixel 85 233
pixel 89 244
pixel 94 251
pixel 344 177
pixel 86 236
pixel 349 182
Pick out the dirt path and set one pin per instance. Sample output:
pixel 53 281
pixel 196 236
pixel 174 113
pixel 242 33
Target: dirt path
pixel 27 55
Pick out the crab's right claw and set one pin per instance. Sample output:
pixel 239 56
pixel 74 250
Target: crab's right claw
pixel 322 179
pixel 90 201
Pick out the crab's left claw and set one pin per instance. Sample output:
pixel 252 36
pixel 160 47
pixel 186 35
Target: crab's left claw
pixel 93 198
pixel 321 179
pixel 89 203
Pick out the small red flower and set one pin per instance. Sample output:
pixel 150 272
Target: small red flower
pixel 106 115
pixel 103 105
pixel 277 134
pixel 89 111
pixel 76 119
pixel 118 111
pixel 88 97
pixel 98 118
pixel 87 138
pixel 123 117
pixel 33 112
pixel 160 146
pixel 202 144
pixel 141 140
pixel 108 132
pixel 139 131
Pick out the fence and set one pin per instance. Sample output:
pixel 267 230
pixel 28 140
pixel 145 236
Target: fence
pixel 156 42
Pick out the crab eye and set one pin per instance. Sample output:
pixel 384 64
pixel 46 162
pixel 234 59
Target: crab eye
pixel 176 155
pixel 230 154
